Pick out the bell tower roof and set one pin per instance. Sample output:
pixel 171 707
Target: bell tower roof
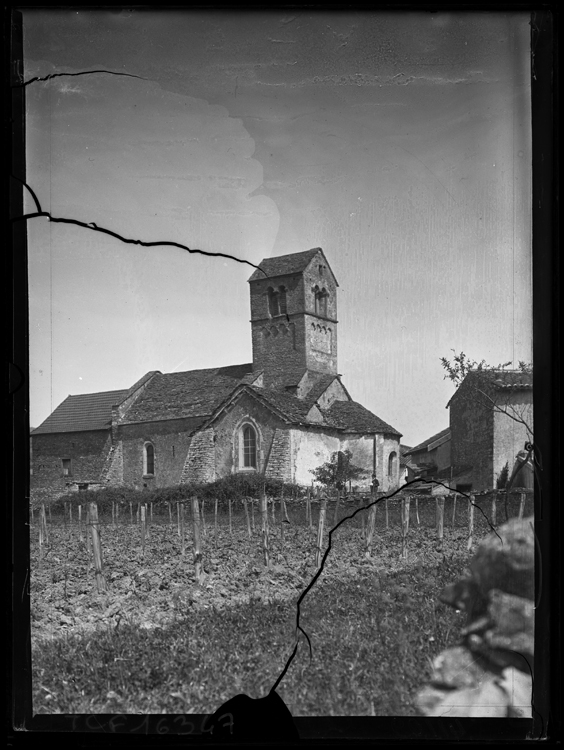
pixel 284 265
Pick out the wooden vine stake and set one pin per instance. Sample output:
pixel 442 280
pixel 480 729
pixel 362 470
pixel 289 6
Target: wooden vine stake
pixel 250 533
pixel 215 517
pixel 148 520
pixel 178 518
pixel 336 516
pixel 281 520
pixel 370 528
pixel 97 549
pixel 494 509
pixel 88 536
pixel 417 510
pixel 470 521
pixel 183 528
pixel 151 512
pixel 41 533
pixel 230 517
pixel 321 524
pixel 203 517
pixel 454 510
pixel 197 546
pixel 264 517
pixel 253 513
pixel 440 520
pixel 522 498
pixel 143 528
pixel 113 514
pixel 309 522
pixel 404 525
pixel 80 523
pixel 387 517
pixel 131 512
pixel 137 514
pixel 169 513
pixel 44 522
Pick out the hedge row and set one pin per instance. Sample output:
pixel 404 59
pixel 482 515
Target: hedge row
pixel 235 487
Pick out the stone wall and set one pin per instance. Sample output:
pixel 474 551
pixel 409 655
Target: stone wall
pixel 200 461
pixel 279 465
pixel 228 432
pixel 171 441
pixel 489 672
pixel 86 450
pixel 472 434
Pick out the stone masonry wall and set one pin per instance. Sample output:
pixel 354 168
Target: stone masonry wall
pixel 278 466
pixel 112 473
pixel 227 430
pixel 200 461
pixel 171 441
pixel 86 450
pixel 472 434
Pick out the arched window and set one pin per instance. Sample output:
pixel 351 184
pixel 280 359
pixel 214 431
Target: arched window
pixel 149 459
pixel 392 464
pixel 276 301
pixel 282 300
pixel 321 302
pixel 248 448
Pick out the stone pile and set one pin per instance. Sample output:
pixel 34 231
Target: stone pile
pixel 489 673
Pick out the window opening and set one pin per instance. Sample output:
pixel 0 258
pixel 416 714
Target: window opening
pixel 249 448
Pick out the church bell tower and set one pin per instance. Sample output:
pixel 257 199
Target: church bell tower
pixel 294 318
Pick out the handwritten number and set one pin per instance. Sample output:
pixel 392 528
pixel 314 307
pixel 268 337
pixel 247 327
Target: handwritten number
pixel 162 727
pixel 185 723
pixel 230 722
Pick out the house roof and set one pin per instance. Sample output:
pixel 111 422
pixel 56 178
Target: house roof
pixel 195 393
pixel 89 411
pixel 501 380
pixel 353 417
pixel 283 265
pixel 512 379
pixel 426 443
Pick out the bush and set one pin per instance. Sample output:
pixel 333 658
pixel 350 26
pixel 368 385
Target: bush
pixel 234 487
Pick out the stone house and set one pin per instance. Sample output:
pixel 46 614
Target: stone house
pixel 431 458
pixel 282 415
pixel 491 419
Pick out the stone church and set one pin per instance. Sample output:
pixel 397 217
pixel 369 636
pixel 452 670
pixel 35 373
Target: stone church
pixel 283 414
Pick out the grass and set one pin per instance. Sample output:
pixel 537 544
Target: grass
pixel 372 644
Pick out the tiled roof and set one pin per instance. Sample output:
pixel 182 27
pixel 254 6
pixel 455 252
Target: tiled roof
pixel 319 388
pixel 89 411
pixel 195 393
pixel 515 380
pixel 426 443
pixel 292 408
pixel 353 417
pixel 286 264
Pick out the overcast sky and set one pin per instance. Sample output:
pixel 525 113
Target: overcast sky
pixel 399 143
